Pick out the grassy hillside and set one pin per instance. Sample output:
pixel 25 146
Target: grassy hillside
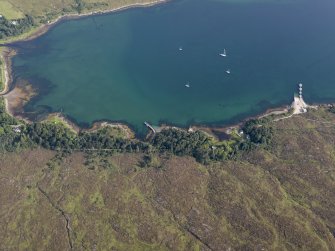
pixel 9 11
pixel 46 10
pixel 2 73
pixel 282 198
pixel 20 19
pixel 41 7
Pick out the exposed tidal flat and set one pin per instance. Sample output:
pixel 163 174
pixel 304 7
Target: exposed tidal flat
pixel 129 66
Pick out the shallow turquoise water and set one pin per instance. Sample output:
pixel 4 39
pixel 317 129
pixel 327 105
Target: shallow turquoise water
pixel 127 66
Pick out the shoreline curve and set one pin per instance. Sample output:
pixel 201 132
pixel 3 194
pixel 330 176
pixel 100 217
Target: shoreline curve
pixel 9 52
pixel 45 27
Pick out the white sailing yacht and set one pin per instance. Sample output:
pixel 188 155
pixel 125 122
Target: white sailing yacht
pixel 224 54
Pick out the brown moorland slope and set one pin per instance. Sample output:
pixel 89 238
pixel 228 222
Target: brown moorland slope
pixel 282 198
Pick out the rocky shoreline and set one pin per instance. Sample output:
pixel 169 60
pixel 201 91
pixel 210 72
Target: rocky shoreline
pixel 16 98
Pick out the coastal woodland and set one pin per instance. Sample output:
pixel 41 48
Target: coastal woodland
pixel 268 186
pixel 17 135
pixel 13 28
pixel 274 190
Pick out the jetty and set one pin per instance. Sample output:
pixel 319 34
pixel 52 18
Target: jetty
pixel 150 127
pixel 299 105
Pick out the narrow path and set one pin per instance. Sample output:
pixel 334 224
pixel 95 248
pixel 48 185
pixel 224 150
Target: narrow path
pixel 286 117
pixel 66 217
pixel 198 238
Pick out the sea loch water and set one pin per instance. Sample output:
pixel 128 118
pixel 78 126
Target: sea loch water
pixel 129 66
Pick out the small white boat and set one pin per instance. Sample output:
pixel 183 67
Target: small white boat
pixel 180 48
pixel 187 85
pixel 224 54
pixel 228 71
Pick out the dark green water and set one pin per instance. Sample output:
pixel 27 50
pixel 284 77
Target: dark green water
pixel 127 66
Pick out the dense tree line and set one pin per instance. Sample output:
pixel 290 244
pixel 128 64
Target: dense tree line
pixel 59 137
pixel 181 143
pixel 13 28
pixel 196 144
pixel 258 132
pixel 101 139
pixel 178 142
pixel 80 5
pixel 51 136
pixel 9 140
